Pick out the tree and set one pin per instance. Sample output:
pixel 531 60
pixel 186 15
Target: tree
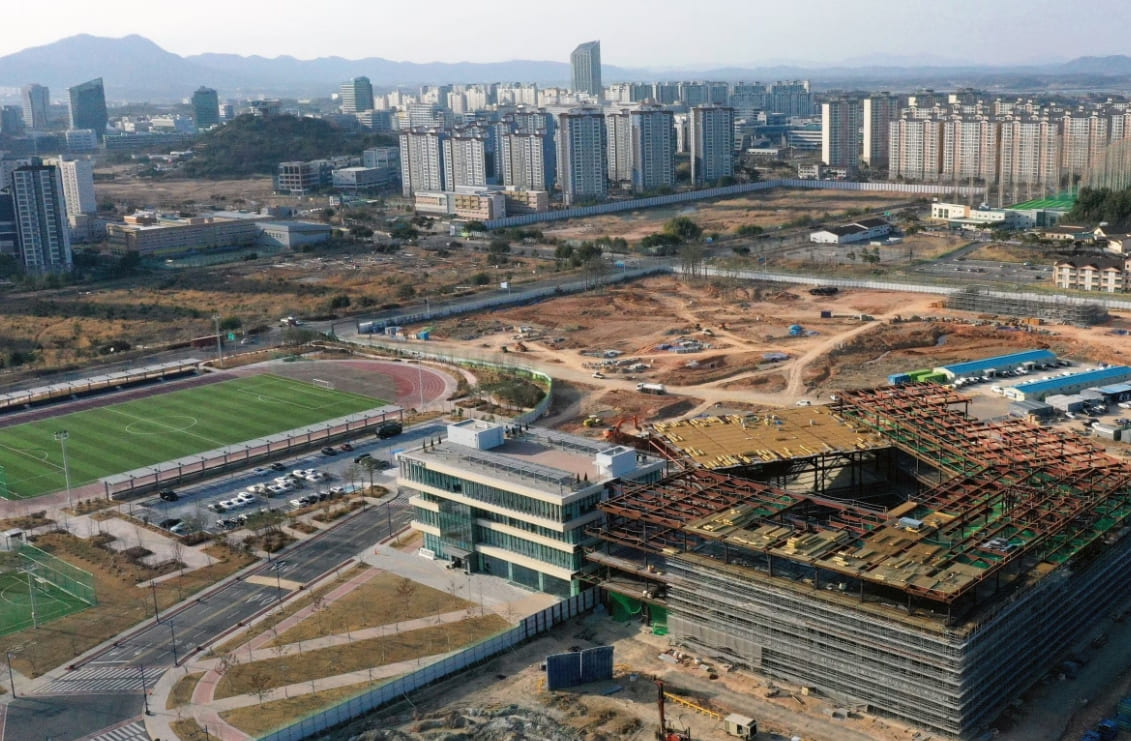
pixel 230 323
pixel 691 258
pixel 475 226
pixel 480 279
pixel 360 231
pixel 406 588
pixel 405 291
pixel 683 228
pixel 748 230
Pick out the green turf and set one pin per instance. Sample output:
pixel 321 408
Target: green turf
pixel 15 603
pixel 1062 201
pixel 138 433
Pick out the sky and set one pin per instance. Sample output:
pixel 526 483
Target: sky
pixel 634 33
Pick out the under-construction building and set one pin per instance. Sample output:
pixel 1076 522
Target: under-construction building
pixel 1051 308
pixel 998 545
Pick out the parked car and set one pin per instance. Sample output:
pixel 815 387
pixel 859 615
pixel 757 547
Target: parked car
pixel 169 523
pixel 598 374
pixel 345 447
pixel 260 471
pixel 362 457
pixel 246 497
pixel 337 490
pixel 276 466
pixel 179 529
pixel 804 403
pixel 276 489
pixel 389 429
pixel 329 451
pixel 168 495
pixel 383 465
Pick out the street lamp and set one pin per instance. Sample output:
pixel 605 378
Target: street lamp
pixel 144 689
pixel 219 347
pixel 420 379
pixel 173 633
pixel 11 677
pixel 61 436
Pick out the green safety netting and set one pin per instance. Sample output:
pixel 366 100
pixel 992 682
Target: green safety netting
pixel 659 620
pixel 624 608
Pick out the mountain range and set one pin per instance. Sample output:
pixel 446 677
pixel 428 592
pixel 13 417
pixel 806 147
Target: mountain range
pixel 135 68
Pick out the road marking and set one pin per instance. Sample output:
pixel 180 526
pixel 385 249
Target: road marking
pixel 3 718
pixel 131 730
pixel 270 581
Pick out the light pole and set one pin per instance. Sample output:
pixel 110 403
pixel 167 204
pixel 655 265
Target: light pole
pixel 156 613
pixel 420 379
pixel 144 689
pixel 173 633
pixel 219 347
pixel 61 436
pixel 31 598
pixel 11 677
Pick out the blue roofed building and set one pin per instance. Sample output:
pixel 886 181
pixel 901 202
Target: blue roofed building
pixel 1016 360
pixel 1038 390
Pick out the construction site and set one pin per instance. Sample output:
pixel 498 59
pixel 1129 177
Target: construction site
pixel 1066 309
pixel 888 551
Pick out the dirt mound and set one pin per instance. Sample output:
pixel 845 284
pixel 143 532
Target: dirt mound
pixel 508 723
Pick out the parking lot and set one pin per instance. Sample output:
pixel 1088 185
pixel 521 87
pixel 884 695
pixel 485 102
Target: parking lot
pixel 315 474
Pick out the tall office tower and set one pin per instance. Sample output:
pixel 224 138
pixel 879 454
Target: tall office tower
pixel 41 219
pixel 583 155
pixel 915 148
pixel 465 159
pixel 711 138
pixel 205 107
pixel 619 138
pixel 35 99
pixel 971 149
pixel 1030 156
pixel 426 115
pixel 653 148
pixel 356 95
pixel 840 133
pixel 88 107
pixel 11 120
pixel 585 63
pixel 422 160
pixel 878 113
pixel 524 161
pixel 78 186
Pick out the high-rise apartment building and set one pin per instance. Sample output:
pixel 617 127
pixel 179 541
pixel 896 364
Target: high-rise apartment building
pixel 35 100
pixel 583 155
pixel 711 139
pixel 878 112
pixel 915 148
pixel 619 138
pixel 585 64
pixel 77 176
pixel 524 161
pixel 205 107
pixel 652 131
pixel 422 160
pixel 11 120
pixel 9 235
pixel 356 95
pixel 41 219
pixel 840 133
pixel 971 148
pixel 465 158
pixel 88 107
pixel 1084 136
pixel 1030 153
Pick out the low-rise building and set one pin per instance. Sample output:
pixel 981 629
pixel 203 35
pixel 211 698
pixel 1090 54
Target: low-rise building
pixel 863 230
pixel 364 179
pixel 957 214
pixel 149 234
pixel 292 234
pixel 476 204
pixel 515 502
pixel 1105 273
pixel 521 201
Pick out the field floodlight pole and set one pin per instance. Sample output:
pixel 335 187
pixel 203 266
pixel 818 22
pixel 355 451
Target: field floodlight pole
pixel 11 676
pixel 219 346
pixel 62 436
pixel 31 597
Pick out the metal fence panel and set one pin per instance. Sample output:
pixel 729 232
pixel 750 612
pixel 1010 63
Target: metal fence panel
pixel 562 671
pixel 596 664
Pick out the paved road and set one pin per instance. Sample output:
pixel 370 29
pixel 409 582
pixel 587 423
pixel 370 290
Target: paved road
pixel 107 690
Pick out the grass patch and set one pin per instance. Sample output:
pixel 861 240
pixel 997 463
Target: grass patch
pixel 133 434
pixel 268 674
pixel 258 720
pixel 383 600
pixel 181 693
pixel 121 603
pixel 187 729
pixel 290 607
pixel 27 522
pixel 303 527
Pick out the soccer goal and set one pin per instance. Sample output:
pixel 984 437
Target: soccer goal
pixel 323 384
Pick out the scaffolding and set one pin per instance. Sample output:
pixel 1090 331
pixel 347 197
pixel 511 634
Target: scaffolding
pixel 1050 308
pixel 938 610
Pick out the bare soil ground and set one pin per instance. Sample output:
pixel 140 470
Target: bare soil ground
pixel 766 210
pixel 133 192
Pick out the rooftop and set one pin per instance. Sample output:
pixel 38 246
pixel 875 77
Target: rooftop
pixel 1093 378
pixel 1000 361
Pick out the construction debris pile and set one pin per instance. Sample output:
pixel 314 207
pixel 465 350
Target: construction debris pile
pixel 506 723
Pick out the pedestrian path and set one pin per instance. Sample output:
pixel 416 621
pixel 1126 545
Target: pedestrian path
pixel 133 730
pixel 97 679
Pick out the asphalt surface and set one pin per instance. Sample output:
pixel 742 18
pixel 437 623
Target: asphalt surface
pixel 108 689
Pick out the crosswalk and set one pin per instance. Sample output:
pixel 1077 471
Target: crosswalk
pixel 132 731
pixel 101 679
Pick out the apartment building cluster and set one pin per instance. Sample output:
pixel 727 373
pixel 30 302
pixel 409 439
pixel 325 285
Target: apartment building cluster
pixel 1023 146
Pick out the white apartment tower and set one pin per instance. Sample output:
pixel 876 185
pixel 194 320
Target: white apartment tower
pixel 971 149
pixel 422 160
pixel 465 159
pixel 583 156
pixel 711 140
pixel 78 186
pixel 620 149
pixel 878 112
pixel 915 148
pixel 653 148
pixel 524 162
pixel 841 121
pixel 41 219
pixel 1030 156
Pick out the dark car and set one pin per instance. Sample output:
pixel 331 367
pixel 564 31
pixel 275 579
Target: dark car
pixel 362 457
pixel 329 451
pixel 389 429
pixel 345 447
pixel 170 523
pixel 383 465
pixel 168 495
pixel 276 466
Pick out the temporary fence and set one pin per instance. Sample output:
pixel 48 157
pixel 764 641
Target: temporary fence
pixel 399 688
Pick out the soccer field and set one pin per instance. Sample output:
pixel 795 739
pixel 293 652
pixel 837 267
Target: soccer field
pixel 17 598
pixel 121 437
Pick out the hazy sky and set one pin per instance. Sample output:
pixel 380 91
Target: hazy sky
pixel 633 33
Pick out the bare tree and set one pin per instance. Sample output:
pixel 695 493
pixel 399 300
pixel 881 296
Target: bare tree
pixel 259 678
pixel 405 590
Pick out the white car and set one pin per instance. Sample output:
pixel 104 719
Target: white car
pixel 260 471
pixel 275 489
pixel 257 488
pixel 245 497
pixel 231 504
pixel 804 403
pixel 315 476
pixel 598 374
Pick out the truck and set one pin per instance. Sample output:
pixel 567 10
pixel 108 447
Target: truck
pixel 741 726
pixel 651 388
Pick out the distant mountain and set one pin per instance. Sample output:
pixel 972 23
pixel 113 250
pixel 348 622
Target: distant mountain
pixel 135 68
